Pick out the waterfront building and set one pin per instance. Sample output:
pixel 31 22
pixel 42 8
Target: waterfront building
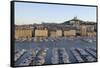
pixel 69 33
pixel 41 33
pixel 52 33
pixel 23 33
pixel 90 28
pixel 83 30
pixel 58 33
pixel 91 34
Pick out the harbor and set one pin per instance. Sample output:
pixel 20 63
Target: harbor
pixel 55 51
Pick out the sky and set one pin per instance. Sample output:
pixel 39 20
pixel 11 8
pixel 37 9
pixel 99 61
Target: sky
pixel 31 13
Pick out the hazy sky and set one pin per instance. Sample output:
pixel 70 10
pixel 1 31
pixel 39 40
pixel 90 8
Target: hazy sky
pixel 30 13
